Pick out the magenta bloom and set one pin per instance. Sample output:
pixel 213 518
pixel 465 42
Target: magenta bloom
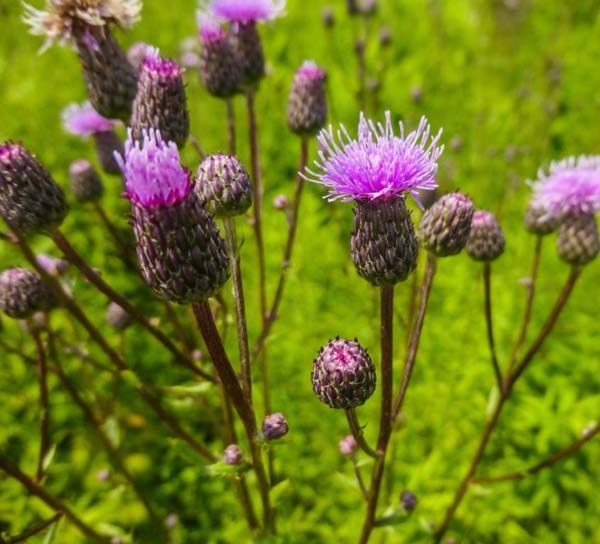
pixel 571 186
pixel 153 174
pixel 245 11
pixel 310 70
pixel 378 165
pixel 209 28
pixel 84 120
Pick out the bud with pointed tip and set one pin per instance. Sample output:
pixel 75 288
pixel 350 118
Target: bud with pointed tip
pixel 343 374
pixel 160 103
pixel 274 426
pixel 223 186
pixel 86 184
pixel 486 239
pixel 307 107
pixel 23 293
pixel 577 241
pixel 444 228
pixel 30 200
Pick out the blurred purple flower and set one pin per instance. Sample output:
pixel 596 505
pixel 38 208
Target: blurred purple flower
pixel 84 120
pixel 245 11
pixel 378 165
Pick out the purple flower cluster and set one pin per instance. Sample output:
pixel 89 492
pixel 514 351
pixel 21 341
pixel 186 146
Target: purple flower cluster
pixel 378 165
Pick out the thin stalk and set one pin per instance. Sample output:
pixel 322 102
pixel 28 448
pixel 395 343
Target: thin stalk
pixel 385 422
pixel 357 433
pixel 287 254
pixel 36 529
pixel 415 336
pixel 113 356
pixel 537 252
pixel 177 326
pixel 42 365
pixel 563 454
pixel 231 140
pixel 240 307
pixel 228 378
pixel 487 273
pixel 359 478
pixel 94 278
pixel 36 489
pixel 114 233
pixel 505 390
pixel 412 304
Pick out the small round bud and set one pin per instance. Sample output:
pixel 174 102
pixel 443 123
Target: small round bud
pixel 577 240
pixel 540 221
pixel 197 355
pixel 281 202
pixel 368 7
pixel 223 186
pixel 171 521
pixel 86 184
pixel 103 475
pixel 117 317
pixel 307 106
pixel 274 426
pixel 444 228
pixel 416 94
pixel 327 17
pixel 23 293
pixel 343 374
pixel 408 501
pixel 385 37
pixel 456 143
pixel 348 445
pixel 233 455
pixel 486 239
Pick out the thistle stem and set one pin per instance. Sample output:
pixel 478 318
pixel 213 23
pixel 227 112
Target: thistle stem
pixel 225 371
pixel 240 307
pixel 36 529
pixel 487 273
pixel 42 366
pixel 287 254
pixel 385 423
pixel 112 230
pixel 113 356
pixel 94 278
pixel 415 335
pixel 571 449
pixel 505 390
pixel 36 489
pixel 529 302
pixel 231 139
pixel 359 478
pixel 357 432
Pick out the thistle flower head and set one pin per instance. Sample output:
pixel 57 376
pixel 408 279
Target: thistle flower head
pixel 84 120
pixel 274 426
pixel 571 186
pixel 246 11
pixel 61 18
pixel 23 293
pixel 209 28
pixel 153 174
pixel 378 164
pixel 310 70
pixel 158 66
pixel 233 455
pixel 486 238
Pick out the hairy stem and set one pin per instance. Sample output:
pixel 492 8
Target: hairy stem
pixel 487 273
pixel 357 432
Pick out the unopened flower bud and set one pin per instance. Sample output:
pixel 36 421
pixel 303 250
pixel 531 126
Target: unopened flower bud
pixel 281 202
pixel 577 240
pixel 408 501
pixel 385 36
pixel 348 445
pixel 248 47
pixel 117 317
pixel 86 184
pixel 486 239
pixel 328 17
pixel 307 106
pixel 223 186
pixel 539 220
pixel 274 426
pixel 23 293
pixel 343 374
pixel 444 228
pixel 233 455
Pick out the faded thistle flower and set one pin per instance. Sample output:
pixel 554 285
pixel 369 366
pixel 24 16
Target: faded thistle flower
pixel 343 374
pixel 30 200
pixel 182 256
pixel 486 239
pixel 274 426
pixel 23 293
pixel 307 106
pixel 117 317
pixel 223 186
pixel 233 455
pixel 243 16
pixel 86 184
pixel 376 170
pixel 83 120
pixel 220 68
pixel 110 79
pixel 445 227
pixel 160 102
pixel 348 445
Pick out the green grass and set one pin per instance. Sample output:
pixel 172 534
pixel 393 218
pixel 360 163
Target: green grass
pixel 518 87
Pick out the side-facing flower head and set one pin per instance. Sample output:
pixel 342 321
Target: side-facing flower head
pixel 63 18
pixel 571 186
pixel 246 11
pixel 23 293
pixel 307 106
pixel 182 257
pixel 378 164
pixel 83 120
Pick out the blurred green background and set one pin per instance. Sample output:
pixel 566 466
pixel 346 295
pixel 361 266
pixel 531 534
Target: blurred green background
pixel 514 84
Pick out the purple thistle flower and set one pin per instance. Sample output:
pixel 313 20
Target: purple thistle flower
pixel 571 186
pixel 84 120
pixel 153 174
pixel 378 165
pixel 209 28
pixel 246 11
